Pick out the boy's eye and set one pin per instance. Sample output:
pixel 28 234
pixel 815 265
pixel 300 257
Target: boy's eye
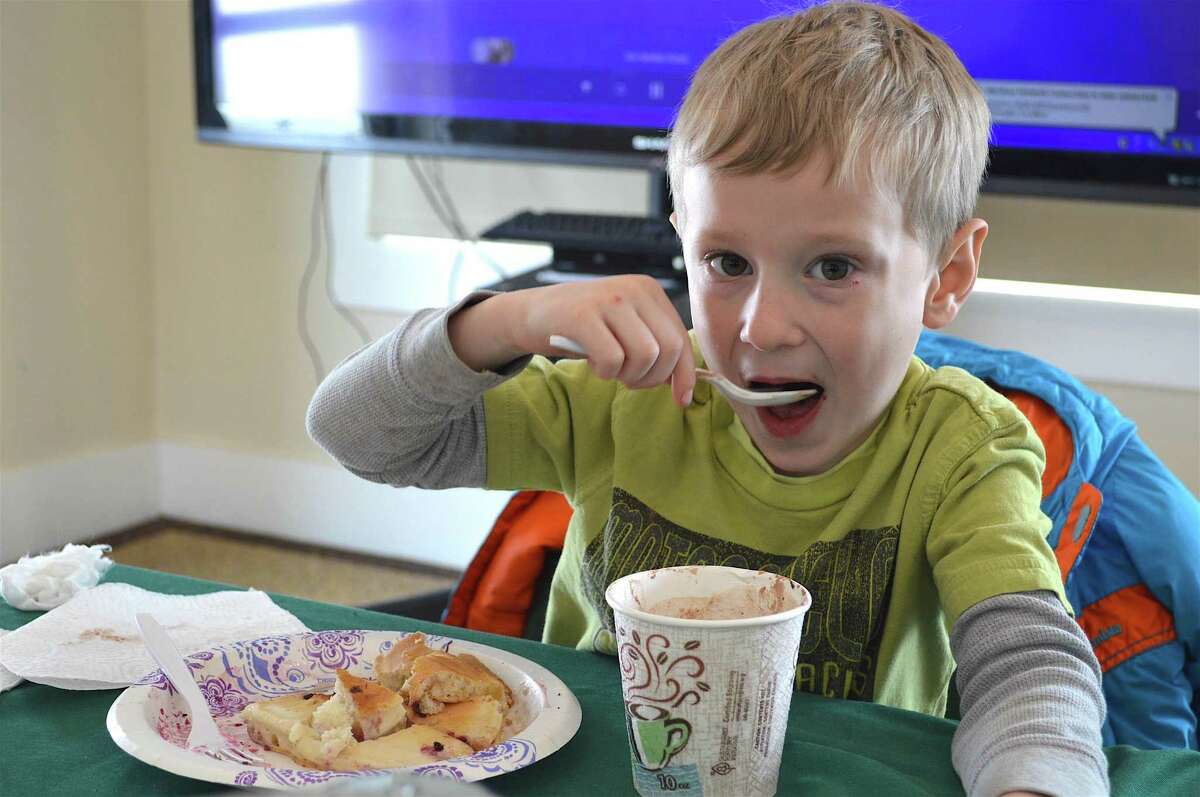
pixel 728 265
pixel 831 269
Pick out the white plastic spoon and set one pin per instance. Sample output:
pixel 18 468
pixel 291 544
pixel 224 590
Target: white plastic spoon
pixel 753 398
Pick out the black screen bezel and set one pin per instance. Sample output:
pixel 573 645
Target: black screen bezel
pixel 1104 176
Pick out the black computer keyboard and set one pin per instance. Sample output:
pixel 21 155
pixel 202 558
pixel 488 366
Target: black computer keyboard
pixel 586 232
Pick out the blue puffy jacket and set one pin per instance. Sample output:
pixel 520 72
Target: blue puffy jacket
pixel 1126 533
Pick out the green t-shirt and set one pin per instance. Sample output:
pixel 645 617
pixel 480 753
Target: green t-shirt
pixel 937 510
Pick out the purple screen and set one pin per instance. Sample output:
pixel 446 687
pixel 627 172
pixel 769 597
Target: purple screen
pixel 1081 75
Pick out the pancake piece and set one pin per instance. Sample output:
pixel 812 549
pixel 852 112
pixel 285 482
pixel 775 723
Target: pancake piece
pixel 414 746
pixel 366 708
pixel 477 721
pixel 283 725
pixel 315 746
pixel 448 706
pixel 440 678
pixel 394 667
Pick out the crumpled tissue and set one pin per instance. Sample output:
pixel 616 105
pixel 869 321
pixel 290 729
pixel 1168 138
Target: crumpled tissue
pixel 38 583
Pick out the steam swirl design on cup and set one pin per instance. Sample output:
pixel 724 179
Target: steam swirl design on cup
pixel 654 673
pixel 657 679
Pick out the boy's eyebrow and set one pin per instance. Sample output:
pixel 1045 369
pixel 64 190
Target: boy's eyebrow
pixel 838 241
pixel 716 234
pixel 819 241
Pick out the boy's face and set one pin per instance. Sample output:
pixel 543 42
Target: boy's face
pixel 795 280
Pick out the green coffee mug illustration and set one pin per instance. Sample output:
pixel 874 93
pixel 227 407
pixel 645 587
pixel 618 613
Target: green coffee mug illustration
pixel 658 741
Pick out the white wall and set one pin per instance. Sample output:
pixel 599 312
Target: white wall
pixel 151 358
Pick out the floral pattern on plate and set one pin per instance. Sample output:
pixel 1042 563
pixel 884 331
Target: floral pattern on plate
pixel 149 721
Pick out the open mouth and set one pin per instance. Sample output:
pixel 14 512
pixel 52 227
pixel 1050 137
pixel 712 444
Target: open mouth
pixel 772 386
pixel 796 408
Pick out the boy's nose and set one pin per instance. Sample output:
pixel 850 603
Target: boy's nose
pixel 771 321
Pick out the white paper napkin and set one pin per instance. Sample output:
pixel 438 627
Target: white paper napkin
pixel 7 679
pixel 92 641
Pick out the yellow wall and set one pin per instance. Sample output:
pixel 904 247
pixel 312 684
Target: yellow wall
pixel 149 282
pixel 1111 244
pixel 75 280
pixel 229 237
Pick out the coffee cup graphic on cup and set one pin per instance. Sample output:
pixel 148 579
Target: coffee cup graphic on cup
pixel 707 655
pixel 657 741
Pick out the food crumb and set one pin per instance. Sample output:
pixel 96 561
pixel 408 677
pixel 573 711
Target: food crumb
pixel 107 634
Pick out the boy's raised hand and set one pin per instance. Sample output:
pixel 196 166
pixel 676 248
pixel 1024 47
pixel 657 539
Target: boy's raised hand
pixel 626 324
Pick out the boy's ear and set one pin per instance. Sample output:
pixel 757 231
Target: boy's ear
pixel 674 217
pixel 956 274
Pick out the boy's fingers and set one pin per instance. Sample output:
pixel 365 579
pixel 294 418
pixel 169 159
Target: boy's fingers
pixel 636 336
pixel 640 345
pixel 671 339
pixel 676 360
pixel 683 377
pixel 605 354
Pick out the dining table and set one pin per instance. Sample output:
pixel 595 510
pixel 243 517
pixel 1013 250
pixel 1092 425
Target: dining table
pixel 55 741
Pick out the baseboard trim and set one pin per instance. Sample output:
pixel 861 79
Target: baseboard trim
pixel 324 505
pixel 43 507
pixel 301 503
pixel 131 534
pixel 160 524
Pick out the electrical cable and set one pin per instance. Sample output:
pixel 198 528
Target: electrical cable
pixel 438 179
pixel 433 186
pixel 433 171
pixel 434 201
pixel 432 198
pixel 452 281
pixel 434 176
pixel 321 242
pixel 345 312
pixel 310 268
pixel 452 223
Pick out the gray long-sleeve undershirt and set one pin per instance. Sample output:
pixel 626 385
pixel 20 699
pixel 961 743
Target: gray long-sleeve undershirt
pixel 406 411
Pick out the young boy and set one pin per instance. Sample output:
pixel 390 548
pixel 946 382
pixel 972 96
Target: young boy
pixel 825 166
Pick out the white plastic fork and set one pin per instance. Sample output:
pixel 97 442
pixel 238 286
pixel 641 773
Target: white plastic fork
pixel 752 398
pixel 205 737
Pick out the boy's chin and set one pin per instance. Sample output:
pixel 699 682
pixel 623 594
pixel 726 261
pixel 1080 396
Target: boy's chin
pixel 798 457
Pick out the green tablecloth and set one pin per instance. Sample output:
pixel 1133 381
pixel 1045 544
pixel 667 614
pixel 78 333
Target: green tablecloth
pixel 54 742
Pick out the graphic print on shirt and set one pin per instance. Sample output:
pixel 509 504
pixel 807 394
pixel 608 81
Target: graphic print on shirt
pixel 850 581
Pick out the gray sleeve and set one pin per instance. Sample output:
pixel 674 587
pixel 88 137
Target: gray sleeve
pixel 405 410
pixel 1032 707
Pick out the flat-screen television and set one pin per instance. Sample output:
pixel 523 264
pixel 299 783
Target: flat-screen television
pixel 1090 98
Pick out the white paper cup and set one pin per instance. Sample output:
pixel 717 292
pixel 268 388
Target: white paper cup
pixel 706 700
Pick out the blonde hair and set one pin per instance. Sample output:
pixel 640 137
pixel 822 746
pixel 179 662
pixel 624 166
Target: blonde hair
pixel 859 82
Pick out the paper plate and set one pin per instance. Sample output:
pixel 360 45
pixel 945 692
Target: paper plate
pixel 149 721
